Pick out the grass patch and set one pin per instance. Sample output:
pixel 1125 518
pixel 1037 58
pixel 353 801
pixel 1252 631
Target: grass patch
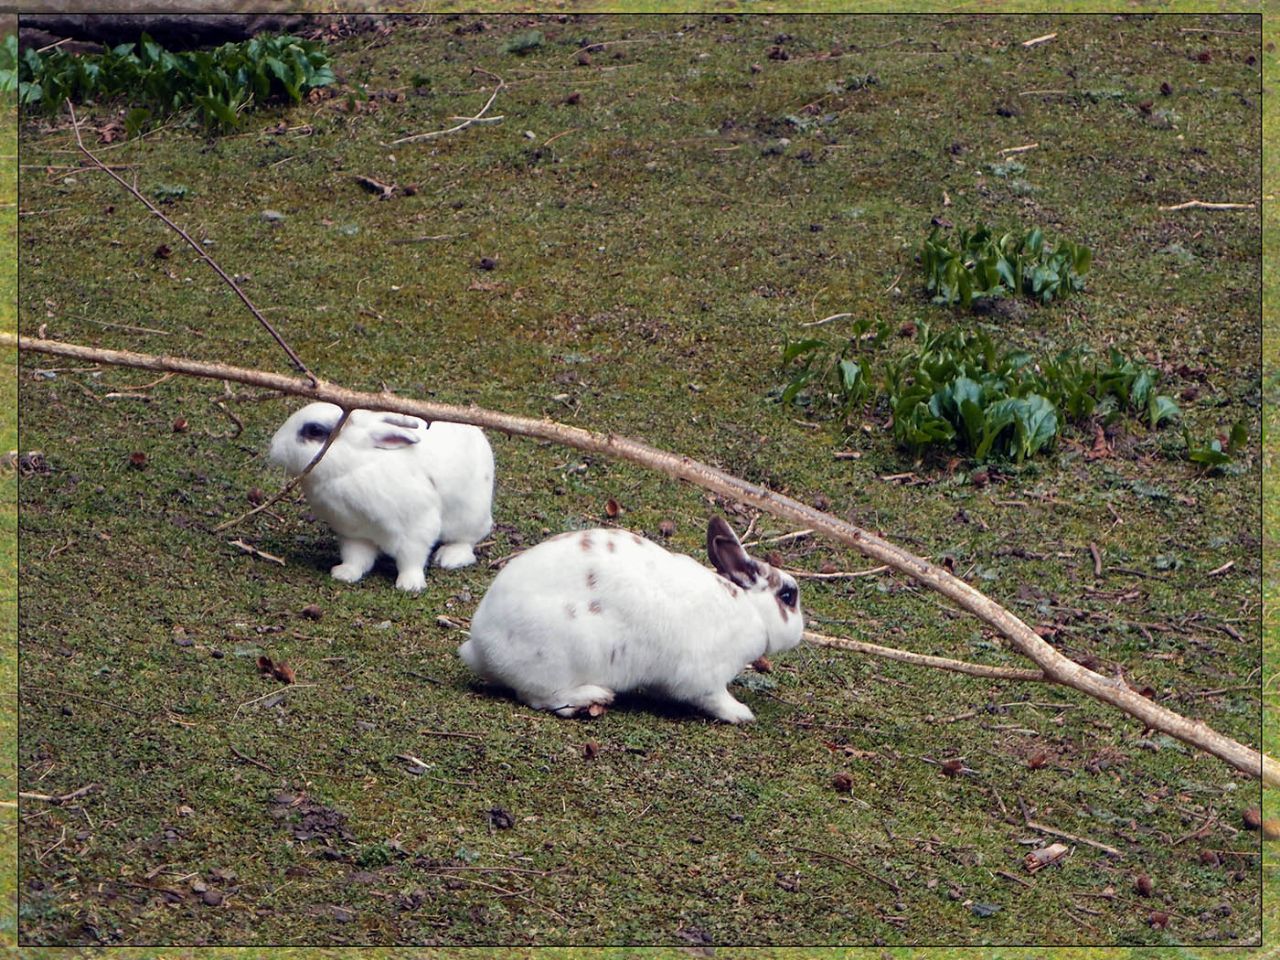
pixel 654 241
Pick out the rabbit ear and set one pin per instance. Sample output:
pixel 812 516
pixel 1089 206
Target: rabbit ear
pixel 727 556
pixel 393 439
pixel 399 431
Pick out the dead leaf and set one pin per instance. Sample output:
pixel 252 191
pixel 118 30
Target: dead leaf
pixel 1038 761
pixel 1101 449
pixel 762 665
pixel 611 508
pixel 1142 883
pixel 1158 919
pixel 666 528
pixel 591 750
pixel 1039 859
pixel 283 672
pixel 842 783
pixel 265 665
pixel 952 767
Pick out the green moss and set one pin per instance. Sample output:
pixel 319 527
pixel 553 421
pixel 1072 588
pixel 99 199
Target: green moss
pixel 653 252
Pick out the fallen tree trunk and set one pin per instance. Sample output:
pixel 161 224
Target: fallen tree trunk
pixel 1055 666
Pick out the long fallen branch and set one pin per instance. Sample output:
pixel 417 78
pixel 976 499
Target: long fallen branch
pixel 1056 667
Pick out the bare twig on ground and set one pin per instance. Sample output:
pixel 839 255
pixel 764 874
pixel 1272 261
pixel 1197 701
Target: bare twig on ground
pixel 834 316
pixel 64 798
pixel 466 121
pixel 1038 40
pixel 924 660
pixel 1007 151
pixel 1055 666
pixel 254 551
pixel 1041 828
pixel 248 759
pixel 849 863
pixel 1097 559
pixel 1205 205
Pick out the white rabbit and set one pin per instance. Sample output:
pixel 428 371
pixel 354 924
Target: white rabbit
pixel 393 484
pixel 585 615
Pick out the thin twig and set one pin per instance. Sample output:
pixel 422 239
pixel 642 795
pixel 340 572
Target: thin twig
pixel 1036 40
pixel 837 575
pixel 467 121
pixel 1022 149
pixel 297 361
pixel 248 759
pixel 849 863
pixel 1205 205
pixel 438 236
pixel 1041 828
pixel 796 535
pixel 834 316
pixel 923 660
pixel 73 795
pixel 1097 559
pixel 247 548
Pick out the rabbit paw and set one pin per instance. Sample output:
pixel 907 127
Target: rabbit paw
pixel 450 556
pixel 412 580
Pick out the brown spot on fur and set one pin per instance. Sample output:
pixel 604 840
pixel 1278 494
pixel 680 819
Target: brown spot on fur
pixel 732 590
pixel 637 538
pixel 613 654
pixel 569 609
pixel 591 580
pixel 594 606
pixel 774 581
pixel 586 541
pixel 610 546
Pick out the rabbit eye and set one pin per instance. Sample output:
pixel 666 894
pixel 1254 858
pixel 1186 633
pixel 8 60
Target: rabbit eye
pixel 788 596
pixel 314 431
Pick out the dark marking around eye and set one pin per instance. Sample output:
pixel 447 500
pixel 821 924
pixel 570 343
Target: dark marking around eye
pixel 314 430
pixel 788 596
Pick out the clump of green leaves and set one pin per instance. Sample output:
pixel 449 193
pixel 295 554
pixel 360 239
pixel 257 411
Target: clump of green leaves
pixel 523 43
pixel 1215 454
pixel 980 264
pixel 9 66
pixel 956 389
pixel 220 84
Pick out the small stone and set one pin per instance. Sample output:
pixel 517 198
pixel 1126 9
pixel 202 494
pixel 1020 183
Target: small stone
pixel 312 612
pixel 1252 818
pixel 272 216
pixel 212 898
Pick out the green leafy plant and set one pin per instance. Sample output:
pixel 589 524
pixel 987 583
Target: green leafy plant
pixel 219 84
pixel 982 265
pixel 1215 454
pixel 957 389
pixel 9 65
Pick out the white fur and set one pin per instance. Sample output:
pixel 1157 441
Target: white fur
pixel 392 484
pixel 662 622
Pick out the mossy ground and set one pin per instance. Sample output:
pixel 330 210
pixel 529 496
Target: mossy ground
pixel 655 245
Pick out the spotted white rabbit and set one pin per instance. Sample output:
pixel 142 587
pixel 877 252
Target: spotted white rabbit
pixel 585 615
pixel 392 484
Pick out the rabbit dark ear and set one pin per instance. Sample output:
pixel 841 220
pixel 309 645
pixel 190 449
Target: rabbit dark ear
pixel 393 439
pixel 727 556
